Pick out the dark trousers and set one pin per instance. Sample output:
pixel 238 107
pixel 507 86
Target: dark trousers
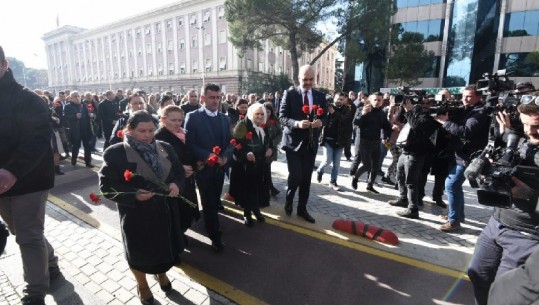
pixel 300 168
pixel 348 149
pixel 86 140
pixel 210 190
pixel 425 169
pixel 107 132
pixel 357 155
pixel 370 158
pixel 409 173
pixel 498 249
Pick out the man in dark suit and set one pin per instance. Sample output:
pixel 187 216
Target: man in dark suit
pixel 107 112
pixel 300 138
pixel 206 128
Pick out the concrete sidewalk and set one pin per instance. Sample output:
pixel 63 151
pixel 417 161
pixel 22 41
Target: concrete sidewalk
pixel 96 272
pixel 94 269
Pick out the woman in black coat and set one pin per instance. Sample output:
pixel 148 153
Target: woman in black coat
pixel 252 153
pixel 147 201
pixel 171 132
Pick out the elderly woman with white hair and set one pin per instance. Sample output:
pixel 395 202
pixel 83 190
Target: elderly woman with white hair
pixel 252 151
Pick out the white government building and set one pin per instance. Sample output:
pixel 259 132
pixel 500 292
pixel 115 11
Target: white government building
pixel 174 47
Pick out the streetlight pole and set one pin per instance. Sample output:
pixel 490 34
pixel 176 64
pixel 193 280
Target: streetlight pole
pixel 201 48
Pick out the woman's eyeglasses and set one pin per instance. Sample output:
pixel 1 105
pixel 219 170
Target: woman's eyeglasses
pixel 528 99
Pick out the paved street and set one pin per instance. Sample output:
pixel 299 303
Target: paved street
pixel 268 263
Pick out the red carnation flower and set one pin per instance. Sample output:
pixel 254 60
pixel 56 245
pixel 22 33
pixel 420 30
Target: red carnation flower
pixel 120 134
pixel 56 104
pixel 95 199
pixel 263 126
pixel 128 175
pixel 315 107
pixel 320 112
pixel 239 147
pixel 212 160
pixel 242 116
pixel 216 150
pixel 305 109
pixel 233 142
pixel 270 122
pixel 90 107
pixel 249 136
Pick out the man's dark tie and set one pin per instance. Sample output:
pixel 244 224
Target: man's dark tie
pixel 305 98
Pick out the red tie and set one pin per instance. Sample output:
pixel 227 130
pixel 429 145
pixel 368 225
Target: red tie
pixel 305 99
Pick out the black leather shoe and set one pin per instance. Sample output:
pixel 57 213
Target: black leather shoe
pixel 305 215
pixel 288 208
pixel 90 165
pixel 74 161
pixel 33 301
pixel 399 203
pixel 164 288
pixel 440 203
pixel 274 191
pixel 58 170
pixel 4 233
pixel 409 213
pixel 248 221
pixel 319 177
pixel 354 183
pixel 259 217
pixel 372 190
pixel 216 243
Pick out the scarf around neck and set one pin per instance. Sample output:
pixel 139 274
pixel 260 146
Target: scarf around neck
pixel 148 153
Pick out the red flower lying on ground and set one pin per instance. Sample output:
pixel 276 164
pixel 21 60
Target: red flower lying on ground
pixel 120 134
pixel 249 136
pixel 128 175
pixel 216 150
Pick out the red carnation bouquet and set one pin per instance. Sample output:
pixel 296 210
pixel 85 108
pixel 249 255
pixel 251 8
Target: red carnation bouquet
pixel 139 182
pixel 313 113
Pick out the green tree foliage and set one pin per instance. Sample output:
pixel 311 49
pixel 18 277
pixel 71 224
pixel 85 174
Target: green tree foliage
pixel 290 24
pixel 533 57
pixel 409 60
pixel 259 82
pixel 29 77
pixel 365 25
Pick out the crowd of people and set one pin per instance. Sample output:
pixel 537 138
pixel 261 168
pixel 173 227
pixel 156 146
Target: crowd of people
pixel 160 148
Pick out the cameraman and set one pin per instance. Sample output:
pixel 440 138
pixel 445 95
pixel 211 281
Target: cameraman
pixel 414 139
pixel 469 128
pixel 511 234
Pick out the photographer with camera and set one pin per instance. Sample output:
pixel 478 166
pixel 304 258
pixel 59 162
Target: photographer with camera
pixel 414 140
pixel 512 233
pixel 370 122
pixel 335 135
pixel 469 128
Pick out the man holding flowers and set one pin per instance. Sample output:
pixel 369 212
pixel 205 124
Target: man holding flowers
pixel 301 114
pixel 207 128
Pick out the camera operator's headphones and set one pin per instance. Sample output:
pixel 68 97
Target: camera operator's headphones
pixel 529 99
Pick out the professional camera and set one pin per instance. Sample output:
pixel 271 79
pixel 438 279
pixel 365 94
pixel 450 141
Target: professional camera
pixel 442 105
pixel 405 94
pixel 497 82
pixel 492 169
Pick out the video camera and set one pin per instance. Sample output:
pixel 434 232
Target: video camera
pixel 406 94
pixel 442 105
pixel 500 89
pixel 491 172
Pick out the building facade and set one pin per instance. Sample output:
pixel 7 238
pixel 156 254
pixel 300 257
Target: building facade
pixel 472 37
pixel 175 47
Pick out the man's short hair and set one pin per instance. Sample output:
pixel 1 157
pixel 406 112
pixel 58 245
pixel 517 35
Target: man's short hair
pixel 377 93
pixel 524 87
pixel 2 54
pixel 472 88
pixel 528 109
pixel 211 87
